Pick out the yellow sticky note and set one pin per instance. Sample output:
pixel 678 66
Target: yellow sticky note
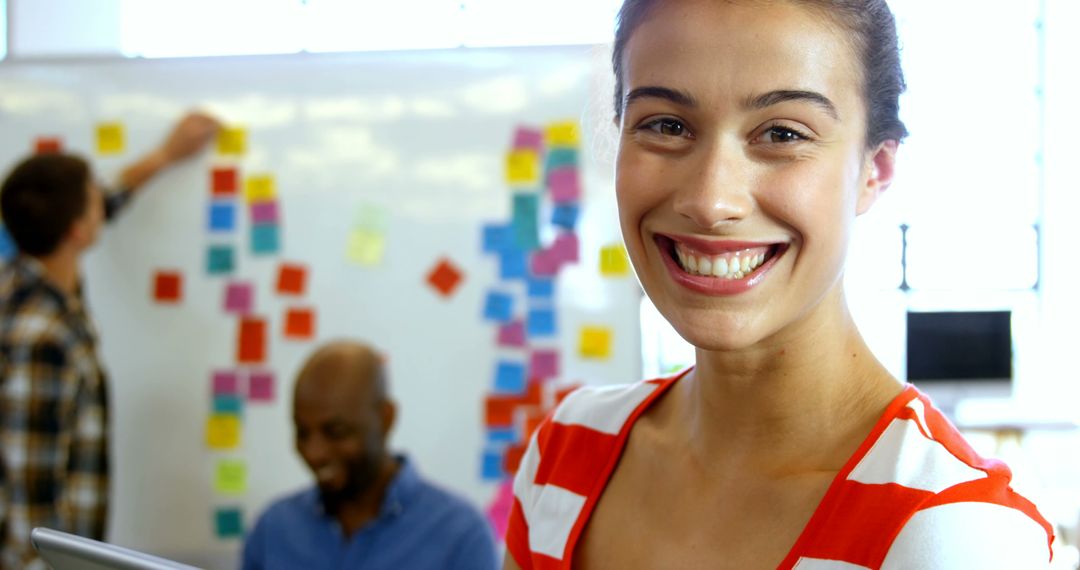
pixel 613 261
pixel 223 431
pixel 231 477
pixel 564 133
pixel 366 247
pixel 523 167
pixel 232 141
pixel 595 342
pixel 110 138
pixel 259 188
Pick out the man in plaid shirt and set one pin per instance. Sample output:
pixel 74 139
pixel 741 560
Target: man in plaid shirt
pixel 54 429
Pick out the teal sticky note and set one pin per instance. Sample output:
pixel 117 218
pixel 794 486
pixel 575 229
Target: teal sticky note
pixel 264 239
pixel 526 221
pixel 228 404
pixel 229 522
pixel 560 158
pixel 220 259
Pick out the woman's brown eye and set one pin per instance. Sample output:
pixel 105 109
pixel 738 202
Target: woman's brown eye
pixel 671 128
pixel 782 135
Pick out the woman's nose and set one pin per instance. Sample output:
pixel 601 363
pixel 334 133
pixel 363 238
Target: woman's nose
pixel 717 187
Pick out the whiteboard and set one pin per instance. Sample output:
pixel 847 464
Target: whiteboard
pixel 421 135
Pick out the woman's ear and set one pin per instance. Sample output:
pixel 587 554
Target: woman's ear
pixel 880 167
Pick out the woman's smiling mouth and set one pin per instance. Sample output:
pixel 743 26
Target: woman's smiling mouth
pixel 719 267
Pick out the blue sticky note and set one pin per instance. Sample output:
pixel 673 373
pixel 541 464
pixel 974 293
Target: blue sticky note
pixel 540 322
pixel 229 522
pixel 220 259
pixel 491 464
pixel 513 264
pixel 264 239
pixel 7 245
pixel 498 307
pixel 228 404
pixel 510 377
pixel 498 238
pixel 540 288
pixel 502 435
pixel 222 216
pixel 560 157
pixel 526 221
pixel 565 215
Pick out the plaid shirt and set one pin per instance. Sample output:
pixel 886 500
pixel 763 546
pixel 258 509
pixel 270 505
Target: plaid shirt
pixel 54 456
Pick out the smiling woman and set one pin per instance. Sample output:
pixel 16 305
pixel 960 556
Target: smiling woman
pixel 752 136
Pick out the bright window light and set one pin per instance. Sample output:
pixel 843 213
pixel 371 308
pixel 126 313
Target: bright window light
pixel 3 29
pixel 351 25
pixel 528 22
pixel 161 28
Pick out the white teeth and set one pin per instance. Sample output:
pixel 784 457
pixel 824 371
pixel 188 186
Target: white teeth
pixel 746 264
pixel 720 267
pixel 705 266
pixel 727 266
pixel 691 263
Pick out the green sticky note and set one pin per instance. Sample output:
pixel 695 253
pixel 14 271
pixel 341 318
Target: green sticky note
pixel 231 477
pixel 265 239
pixel 561 158
pixel 526 221
pixel 228 404
pixel 220 259
pixel 229 522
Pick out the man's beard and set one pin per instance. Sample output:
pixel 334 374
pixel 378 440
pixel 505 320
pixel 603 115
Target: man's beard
pixel 360 476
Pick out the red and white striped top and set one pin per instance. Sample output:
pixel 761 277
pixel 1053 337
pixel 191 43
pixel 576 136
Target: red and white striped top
pixel 914 495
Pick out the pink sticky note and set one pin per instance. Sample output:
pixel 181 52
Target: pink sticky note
pixel 239 298
pixel 564 185
pixel 544 364
pixel 264 212
pixel 565 247
pixel 544 263
pixel 226 383
pixel 261 387
pixel 525 137
pixel 498 512
pixel 512 334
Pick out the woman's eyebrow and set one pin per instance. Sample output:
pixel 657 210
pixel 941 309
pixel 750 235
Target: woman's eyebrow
pixel 781 95
pixel 673 95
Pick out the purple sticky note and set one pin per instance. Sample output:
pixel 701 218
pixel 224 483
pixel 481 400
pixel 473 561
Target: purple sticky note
pixel 239 298
pixel 264 213
pixel 564 185
pixel 525 137
pixel 512 334
pixel 544 262
pixel 544 364
pixel 565 248
pixel 261 386
pixel 226 383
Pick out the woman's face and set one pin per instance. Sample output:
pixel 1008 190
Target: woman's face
pixel 741 165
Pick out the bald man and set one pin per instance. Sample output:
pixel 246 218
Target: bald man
pixel 368 508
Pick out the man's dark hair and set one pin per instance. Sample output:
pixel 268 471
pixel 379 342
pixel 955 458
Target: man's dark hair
pixel 41 199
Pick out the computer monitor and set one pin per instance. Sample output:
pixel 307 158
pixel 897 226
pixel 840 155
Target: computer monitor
pixel 953 355
pixel 65 551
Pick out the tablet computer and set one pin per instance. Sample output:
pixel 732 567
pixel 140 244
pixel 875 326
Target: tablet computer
pixel 65 551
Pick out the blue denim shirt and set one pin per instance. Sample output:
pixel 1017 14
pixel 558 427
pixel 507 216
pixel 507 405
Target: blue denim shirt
pixel 419 526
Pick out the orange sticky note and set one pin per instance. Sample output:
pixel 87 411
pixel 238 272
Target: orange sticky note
pixel 47 145
pixel 251 342
pixel 224 181
pixel 110 138
pixel 232 141
pixel 499 410
pixel 292 279
pixel 223 431
pixel 168 286
pixel 300 323
pixel 595 342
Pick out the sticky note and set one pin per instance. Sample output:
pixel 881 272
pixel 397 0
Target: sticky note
pixel 544 364
pixel 526 221
pixel 224 181
pixel 229 522
pixel 220 259
pixel 513 265
pixel 501 435
pixel 595 342
pixel 239 298
pixel 540 323
pixel 544 263
pixel 261 386
pixel 228 405
pixel 613 261
pixel 497 238
pixel 110 138
pixel 522 167
pixel 291 279
pixel 225 383
pixel 230 477
pixel 222 216
pixel 232 141
pixel 512 334
pixel 223 431
pixel 48 145
pixel 528 138
pixel 168 286
pixel 499 510
pixel 492 464
pixel 264 212
pixel 251 341
pixel 371 217
pixel 509 377
pixel 365 247
pixel 299 323
pixel 499 410
pixel 565 248
pixel 7 245
pixel 565 216
pixel 445 277
pixel 564 133
pixel 259 188
pixel 540 288
pixel 498 306
pixel 564 185
pixel 265 239
pixel 561 157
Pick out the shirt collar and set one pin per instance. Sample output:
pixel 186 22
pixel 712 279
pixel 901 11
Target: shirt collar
pixel 31 273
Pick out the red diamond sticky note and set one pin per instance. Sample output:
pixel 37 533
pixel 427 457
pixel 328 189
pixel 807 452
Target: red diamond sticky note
pixel 46 145
pixel 300 324
pixel 292 279
pixel 168 287
pixel 224 181
pixel 251 342
pixel 445 277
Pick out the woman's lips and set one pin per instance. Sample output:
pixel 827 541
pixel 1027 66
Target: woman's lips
pixel 718 267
